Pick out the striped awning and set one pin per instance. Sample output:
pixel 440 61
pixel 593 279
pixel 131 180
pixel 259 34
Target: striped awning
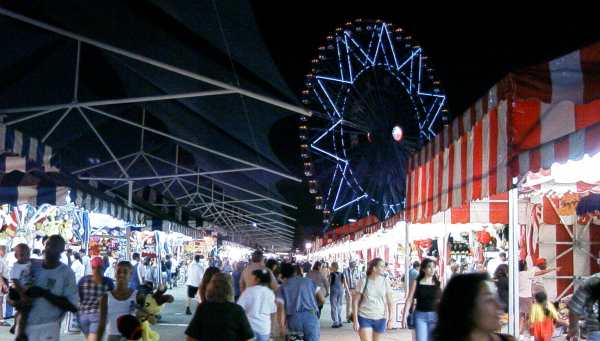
pixel 14 142
pixel 94 203
pixel 532 118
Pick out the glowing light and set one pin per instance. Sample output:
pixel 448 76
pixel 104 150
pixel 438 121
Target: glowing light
pixel 397 133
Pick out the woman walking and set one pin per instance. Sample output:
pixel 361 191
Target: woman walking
pixel 469 310
pixel 208 275
pixel 91 289
pixel 373 293
pixel 259 303
pixel 321 281
pixel 427 292
pixel 217 318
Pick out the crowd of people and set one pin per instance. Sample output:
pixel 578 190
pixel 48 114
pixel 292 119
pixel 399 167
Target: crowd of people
pixel 274 300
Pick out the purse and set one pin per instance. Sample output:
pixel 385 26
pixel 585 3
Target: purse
pixel 410 320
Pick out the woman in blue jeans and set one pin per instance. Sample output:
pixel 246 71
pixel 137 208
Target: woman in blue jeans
pixel 427 292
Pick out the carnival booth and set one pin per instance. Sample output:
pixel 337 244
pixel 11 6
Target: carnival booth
pixel 545 114
pixel 471 236
pixel 234 252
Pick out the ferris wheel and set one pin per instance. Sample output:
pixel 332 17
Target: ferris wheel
pixel 375 101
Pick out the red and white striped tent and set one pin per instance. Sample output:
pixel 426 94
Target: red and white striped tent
pixel 530 119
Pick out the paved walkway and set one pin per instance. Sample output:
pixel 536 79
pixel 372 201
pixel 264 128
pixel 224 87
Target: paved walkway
pixel 174 322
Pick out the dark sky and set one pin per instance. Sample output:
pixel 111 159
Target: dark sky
pixel 471 49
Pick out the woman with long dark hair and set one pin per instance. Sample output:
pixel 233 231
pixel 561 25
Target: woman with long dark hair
pixel 469 310
pixel 208 275
pixel 369 303
pixel 427 292
pixel 501 281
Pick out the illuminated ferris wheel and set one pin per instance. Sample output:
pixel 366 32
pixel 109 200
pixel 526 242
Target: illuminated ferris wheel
pixel 375 101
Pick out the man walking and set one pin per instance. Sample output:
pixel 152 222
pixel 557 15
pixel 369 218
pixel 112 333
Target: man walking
pixel 195 273
pixel 137 276
pixel 351 276
pixel 54 292
pixel 257 264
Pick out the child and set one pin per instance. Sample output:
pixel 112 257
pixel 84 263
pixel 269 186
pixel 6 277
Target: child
pixel 21 280
pixel 542 318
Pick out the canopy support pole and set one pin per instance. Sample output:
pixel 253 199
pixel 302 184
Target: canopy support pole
pixel 130 194
pixel 513 262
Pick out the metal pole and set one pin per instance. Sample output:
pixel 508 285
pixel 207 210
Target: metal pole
pixel 130 194
pixel 154 62
pixel 513 262
pixel 103 142
pixel 30 117
pixel 116 101
pixel 206 149
pixel 104 163
pixel 76 85
pixel 56 124
pixel 198 186
pixel 167 176
pixel 236 187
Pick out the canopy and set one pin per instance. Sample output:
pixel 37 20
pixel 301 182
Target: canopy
pixel 530 119
pixel 155 93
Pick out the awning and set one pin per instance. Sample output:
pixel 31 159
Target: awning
pixel 36 153
pixel 543 114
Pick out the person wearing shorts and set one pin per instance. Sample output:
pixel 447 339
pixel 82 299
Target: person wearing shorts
pixel 195 273
pixel 91 289
pixel 191 291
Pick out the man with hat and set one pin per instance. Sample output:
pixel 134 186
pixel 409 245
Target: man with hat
pixel 256 264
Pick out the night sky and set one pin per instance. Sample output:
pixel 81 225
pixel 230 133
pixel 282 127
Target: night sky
pixel 471 51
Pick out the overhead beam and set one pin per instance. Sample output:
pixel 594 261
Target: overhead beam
pixel 153 62
pixel 87 120
pixel 228 184
pixel 168 176
pixel 192 144
pixel 116 101
pixel 198 186
pixel 82 170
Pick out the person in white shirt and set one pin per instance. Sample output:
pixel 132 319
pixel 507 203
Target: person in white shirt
pixel 54 292
pixel 527 277
pixel 195 272
pixel 259 303
pixel 77 267
pixel 85 260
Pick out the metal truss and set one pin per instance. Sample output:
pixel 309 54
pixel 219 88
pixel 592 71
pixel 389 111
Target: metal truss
pixel 233 213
